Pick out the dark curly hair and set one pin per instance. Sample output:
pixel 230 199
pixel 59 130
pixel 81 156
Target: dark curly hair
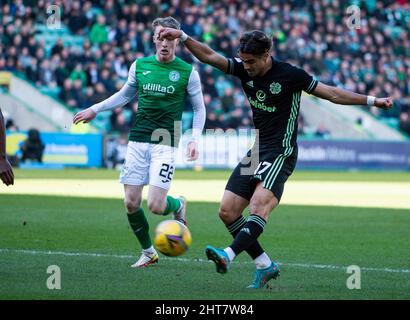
pixel 254 42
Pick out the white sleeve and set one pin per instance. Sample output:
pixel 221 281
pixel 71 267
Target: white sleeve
pixel 197 101
pixel 132 80
pixel 122 97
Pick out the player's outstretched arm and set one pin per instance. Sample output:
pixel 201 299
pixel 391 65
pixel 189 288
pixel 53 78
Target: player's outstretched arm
pixel 200 50
pixel 6 171
pixel 117 100
pixel 341 96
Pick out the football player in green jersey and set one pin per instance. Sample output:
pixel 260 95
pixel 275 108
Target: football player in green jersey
pixel 162 82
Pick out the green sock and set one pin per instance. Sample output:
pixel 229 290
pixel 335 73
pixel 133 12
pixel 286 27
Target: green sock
pixel 172 205
pixel 140 227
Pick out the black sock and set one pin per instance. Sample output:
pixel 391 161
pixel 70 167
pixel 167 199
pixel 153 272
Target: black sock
pixel 255 250
pixel 248 234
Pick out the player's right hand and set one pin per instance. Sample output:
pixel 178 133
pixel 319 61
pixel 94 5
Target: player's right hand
pixel 6 172
pixel 84 116
pixel 384 103
pixel 169 34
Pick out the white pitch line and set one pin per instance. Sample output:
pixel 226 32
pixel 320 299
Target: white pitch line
pixel 103 255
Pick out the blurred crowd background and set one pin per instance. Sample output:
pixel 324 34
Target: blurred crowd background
pixel 87 59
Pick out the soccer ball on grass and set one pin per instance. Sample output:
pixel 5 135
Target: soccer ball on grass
pixel 172 238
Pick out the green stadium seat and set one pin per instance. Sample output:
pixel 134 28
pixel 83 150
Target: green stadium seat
pixel 392 122
pixel 50 91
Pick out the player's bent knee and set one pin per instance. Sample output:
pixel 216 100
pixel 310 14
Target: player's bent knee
pixel 156 207
pixel 226 214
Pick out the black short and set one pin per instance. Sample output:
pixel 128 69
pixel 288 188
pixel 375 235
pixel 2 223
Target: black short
pixel 272 168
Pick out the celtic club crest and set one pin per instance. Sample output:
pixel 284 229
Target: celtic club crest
pixel 275 87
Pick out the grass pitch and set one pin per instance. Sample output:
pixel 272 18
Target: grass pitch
pixel 91 242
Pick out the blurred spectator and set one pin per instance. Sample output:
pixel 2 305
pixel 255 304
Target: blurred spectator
pixel 67 94
pixel 99 31
pixel 79 95
pixel 107 81
pixel 119 122
pixel 405 122
pixel 32 148
pixel 322 132
pixel 61 73
pixel 78 73
pixel 119 152
pixel 11 126
pixel 301 124
pixel 58 47
pixel 227 100
pixel 46 75
pixel 115 151
pixel 405 116
pixel 77 20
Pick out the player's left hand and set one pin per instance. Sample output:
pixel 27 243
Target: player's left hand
pixel 383 103
pixel 192 151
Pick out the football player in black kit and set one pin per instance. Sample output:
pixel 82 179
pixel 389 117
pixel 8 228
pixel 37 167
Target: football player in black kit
pixel 273 89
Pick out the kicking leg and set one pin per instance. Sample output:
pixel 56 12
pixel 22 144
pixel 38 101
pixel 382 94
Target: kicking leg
pixel 161 172
pixel 159 202
pixel 230 212
pixel 262 203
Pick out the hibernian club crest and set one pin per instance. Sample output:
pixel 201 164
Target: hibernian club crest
pixel 174 76
pixel 275 87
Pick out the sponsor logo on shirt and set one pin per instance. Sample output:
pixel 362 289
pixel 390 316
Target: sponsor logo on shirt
pixel 157 89
pixel 258 105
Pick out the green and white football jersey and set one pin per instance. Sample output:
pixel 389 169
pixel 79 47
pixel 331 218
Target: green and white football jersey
pixel 162 89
